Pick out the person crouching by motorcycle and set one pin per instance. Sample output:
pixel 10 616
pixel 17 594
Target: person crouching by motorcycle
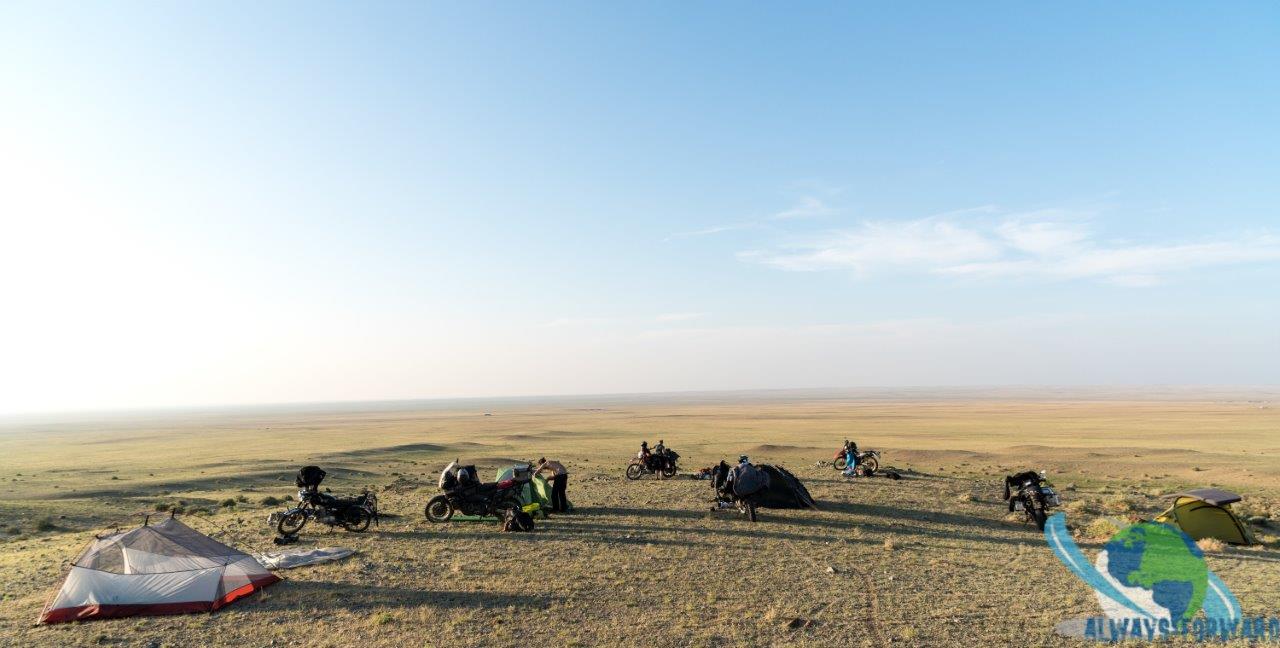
pixel 743 461
pixel 559 483
pixel 722 484
pixel 722 481
pixel 645 455
pixel 850 457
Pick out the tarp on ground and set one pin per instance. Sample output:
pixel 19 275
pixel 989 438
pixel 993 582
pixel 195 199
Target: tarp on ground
pixel 781 489
pixel 301 557
pixel 785 490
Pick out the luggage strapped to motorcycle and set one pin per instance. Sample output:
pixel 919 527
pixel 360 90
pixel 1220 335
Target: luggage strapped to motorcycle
pixel 310 477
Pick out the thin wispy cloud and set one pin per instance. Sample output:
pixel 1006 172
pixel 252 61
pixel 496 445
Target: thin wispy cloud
pixel 595 322
pixel 804 208
pixel 667 318
pixel 718 229
pixel 1050 244
pixel 567 322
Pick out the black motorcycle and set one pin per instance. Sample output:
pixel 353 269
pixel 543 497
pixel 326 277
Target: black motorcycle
pixel 464 493
pixel 1032 494
pixel 661 463
pixel 738 487
pixel 351 513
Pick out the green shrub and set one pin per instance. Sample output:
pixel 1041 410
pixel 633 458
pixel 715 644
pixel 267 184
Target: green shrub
pixel 241 499
pixel 163 506
pixel 46 523
pixel 227 503
pixel 270 500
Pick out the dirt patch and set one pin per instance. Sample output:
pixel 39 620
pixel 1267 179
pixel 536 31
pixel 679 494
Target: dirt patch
pixel 771 447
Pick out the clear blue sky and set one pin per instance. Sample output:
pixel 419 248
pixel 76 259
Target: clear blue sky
pixel 301 201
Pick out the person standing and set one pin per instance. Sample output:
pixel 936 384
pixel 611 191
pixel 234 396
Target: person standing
pixel 559 484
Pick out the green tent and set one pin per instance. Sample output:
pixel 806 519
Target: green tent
pixel 1206 513
pixel 535 491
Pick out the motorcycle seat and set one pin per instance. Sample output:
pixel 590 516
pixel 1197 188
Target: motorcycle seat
pixel 331 501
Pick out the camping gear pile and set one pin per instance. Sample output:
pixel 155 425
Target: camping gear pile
pixel 166 568
pixel 784 490
pixel 1206 513
pixel 351 513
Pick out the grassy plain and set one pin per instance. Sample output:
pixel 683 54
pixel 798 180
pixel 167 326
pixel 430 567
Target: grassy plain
pixel 928 560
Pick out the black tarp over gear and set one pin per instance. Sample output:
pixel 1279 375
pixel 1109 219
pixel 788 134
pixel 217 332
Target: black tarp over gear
pixel 781 490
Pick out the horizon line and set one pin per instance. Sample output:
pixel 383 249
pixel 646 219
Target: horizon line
pixel 348 404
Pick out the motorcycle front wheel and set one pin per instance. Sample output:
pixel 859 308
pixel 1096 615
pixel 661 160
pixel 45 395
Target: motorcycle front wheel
pixel 634 471
pixel 438 509
pixel 357 520
pixel 669 471
pixel 1039 516
pixel 292 523
pixel 839 464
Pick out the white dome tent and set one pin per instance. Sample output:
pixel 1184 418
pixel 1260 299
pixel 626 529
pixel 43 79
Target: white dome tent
pixel 166 568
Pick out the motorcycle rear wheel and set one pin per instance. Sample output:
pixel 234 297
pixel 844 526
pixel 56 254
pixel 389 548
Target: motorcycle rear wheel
pixel 358 520
pixel 438 509
pixel 871 464
pixel 510 503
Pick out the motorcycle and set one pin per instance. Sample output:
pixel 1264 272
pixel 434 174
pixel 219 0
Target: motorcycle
pixel 465 494
pixel 731 494
pixel 662 464
pixel 351 513
pixel 1032 494
pixel 869 459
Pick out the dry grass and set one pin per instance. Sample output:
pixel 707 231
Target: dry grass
pixel 927 560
